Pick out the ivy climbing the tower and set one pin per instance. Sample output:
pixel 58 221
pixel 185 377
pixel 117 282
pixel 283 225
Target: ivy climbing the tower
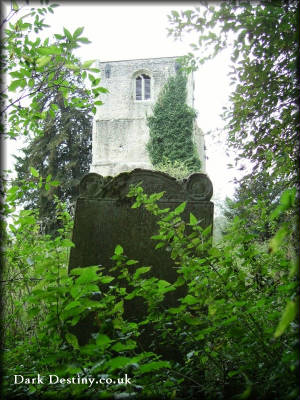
pixel 171 127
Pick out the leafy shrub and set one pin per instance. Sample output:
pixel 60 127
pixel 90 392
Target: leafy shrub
pixel 234 329
pixel 235 326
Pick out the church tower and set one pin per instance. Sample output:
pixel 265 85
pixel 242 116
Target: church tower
pixel 120 131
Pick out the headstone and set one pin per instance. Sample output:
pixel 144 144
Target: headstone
pixel 104 218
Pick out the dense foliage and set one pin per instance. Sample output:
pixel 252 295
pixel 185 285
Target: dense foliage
pixel 63 151
pixel 235 331
pixel 229 332
pixel 262 119
pixel 171 127
pixel 263 115
pixel 35 67
pixel 253 196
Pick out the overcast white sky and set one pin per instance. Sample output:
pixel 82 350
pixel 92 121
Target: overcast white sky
pixel 121 31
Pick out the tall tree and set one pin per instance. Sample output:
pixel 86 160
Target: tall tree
pixel 63 152
pixel 171 126
pixel 263 116
pixel 254 201
pixel 35 67
pixel 262 119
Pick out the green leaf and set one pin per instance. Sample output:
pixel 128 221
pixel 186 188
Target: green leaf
pixel 72 340
pixel 15 6
pixel 159 245
pixel 193 219
pixel 180 208
pixel 54 183
pixel 215 252
pixel 34 172
pixel 119 307
pixel 118 362
pixel 162 283
pixel 32 390
pixel 83 40
pixel 287 317
pixel 131 262
pixel 130 345
pixel 87 276
pixel 78 32
pixel 189 299
pixel 104 90
pixel 16 74
pixel 140 271
pixel 157 237
pixel 72 304
pixel 48 178
pixel 87 64
pixel 42 61
pixel 176 310
pixel 106 279
pixel 206 231
pixel 102 340
pixel 51 113
pixel 67 243
pixel 118 250
pixel 82 290
pixel 68 34
pixel 229 320
pixel 83 270
pixel 15 84
pixel 279 237
pixel 50 50
pixel 154 366
pixel 288 198
pixel 73 67
pixel 175 13
pixel 287 201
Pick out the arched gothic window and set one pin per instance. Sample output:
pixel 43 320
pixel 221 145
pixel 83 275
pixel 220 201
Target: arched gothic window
pixel 143 87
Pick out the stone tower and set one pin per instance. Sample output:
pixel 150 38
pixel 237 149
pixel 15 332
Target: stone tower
pixel 120 131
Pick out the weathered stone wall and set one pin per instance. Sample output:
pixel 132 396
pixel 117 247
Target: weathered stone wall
pixel 120 131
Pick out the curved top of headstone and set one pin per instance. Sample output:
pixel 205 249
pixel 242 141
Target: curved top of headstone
pixel 197 187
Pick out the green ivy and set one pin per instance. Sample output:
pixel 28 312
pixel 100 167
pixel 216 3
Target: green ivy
pixel 171 126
